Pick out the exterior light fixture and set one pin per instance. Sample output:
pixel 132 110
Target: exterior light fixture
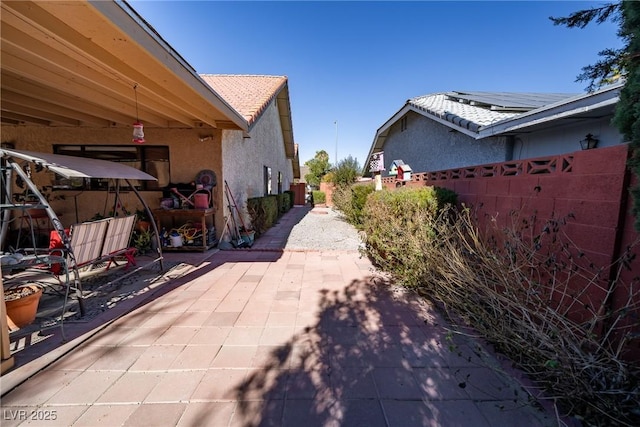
pixel 138 128
pixel 588 142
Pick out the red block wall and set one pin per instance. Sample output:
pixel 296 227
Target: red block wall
pixel 586 192
pixel 327 188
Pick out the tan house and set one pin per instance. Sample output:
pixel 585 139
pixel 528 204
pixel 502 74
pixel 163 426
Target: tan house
pixel 77 75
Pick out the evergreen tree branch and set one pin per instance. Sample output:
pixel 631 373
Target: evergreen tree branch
pixel 582 18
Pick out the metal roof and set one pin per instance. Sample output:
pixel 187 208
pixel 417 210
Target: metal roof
pixel 576 109
pixel 511 101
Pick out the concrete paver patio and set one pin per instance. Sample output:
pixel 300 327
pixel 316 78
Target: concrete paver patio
pixel 276 338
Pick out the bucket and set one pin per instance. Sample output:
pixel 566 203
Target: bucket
pixel 201 200
pixel 176 240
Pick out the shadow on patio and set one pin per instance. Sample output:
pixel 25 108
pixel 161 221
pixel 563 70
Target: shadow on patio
pixel 375 356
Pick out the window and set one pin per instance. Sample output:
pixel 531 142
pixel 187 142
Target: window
pixel 153 160
pixel 279 182
pixel 267 180
pixel 403 124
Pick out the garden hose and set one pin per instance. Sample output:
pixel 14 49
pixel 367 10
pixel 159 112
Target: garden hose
pixel 187 232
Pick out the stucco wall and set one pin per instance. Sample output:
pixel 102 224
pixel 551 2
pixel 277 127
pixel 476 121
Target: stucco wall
pixel 188 156
pixel 565 139
pixel 245 158
pixel 428 145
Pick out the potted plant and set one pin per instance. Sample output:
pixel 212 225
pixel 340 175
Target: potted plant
pixel 22 304
pixel 143 221
pixel 143 241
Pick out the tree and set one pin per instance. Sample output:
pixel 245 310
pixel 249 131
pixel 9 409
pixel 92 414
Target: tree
pixel 627 117
pixel 318 167
pixel 618 63
pixel 611 67
pixel 346 172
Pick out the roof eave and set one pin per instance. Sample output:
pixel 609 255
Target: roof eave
pixel 156 45
pixel 383 131
pixel 583 103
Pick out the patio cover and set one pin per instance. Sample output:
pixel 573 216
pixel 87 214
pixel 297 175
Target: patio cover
pixel 78 167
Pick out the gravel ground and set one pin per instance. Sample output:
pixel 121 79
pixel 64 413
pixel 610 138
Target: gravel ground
pixel 323 229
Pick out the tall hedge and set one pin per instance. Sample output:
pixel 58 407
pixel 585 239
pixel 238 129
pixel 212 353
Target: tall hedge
pixel 284 202
pixel 263 212
pixel 292 198
pixel 396 225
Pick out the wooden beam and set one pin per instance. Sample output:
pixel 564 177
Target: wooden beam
pixel 16 118
pixel 9 106
pixel 41 93
pixel 50 109
pixel 97 39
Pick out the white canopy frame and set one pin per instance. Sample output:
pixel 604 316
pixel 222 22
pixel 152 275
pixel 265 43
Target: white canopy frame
pixel 69 167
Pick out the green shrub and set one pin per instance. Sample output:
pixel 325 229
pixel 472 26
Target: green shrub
pixel 292 198
pixel 445 197
pixel 350 200
pixel 319 197
pixel 283 203
pixel 397 228
pixel 360 193
pixel 263 212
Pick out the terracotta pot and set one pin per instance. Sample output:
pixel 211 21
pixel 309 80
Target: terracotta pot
pixel 143 225
pixel 22 304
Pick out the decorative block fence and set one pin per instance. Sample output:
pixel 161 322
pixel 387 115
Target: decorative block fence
pixel 586 192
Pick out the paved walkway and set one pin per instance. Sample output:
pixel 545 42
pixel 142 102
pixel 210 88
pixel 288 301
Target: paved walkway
pixel 275 338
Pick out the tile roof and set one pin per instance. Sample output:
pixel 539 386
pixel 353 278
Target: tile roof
pixel 474 110
pixel 249 95
pixel 464 115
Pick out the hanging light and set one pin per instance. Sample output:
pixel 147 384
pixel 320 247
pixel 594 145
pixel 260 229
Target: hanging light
pixel 138 128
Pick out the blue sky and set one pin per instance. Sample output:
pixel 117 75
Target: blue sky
pixel 357 63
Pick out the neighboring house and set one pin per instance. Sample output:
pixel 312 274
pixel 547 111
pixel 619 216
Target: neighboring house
pixel 77 75
pixel 457 129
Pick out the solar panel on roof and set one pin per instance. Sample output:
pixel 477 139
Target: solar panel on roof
pixel 508 100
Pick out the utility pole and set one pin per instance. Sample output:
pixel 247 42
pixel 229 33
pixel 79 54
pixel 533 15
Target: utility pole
pixel 336 123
